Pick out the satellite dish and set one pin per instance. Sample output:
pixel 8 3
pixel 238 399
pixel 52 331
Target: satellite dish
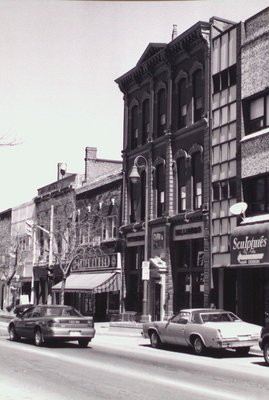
pixel 238 208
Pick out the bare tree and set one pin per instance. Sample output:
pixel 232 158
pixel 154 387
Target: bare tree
pixel 6 141
pixel 74 234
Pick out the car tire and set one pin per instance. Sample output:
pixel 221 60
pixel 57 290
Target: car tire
pixel 266 352
pixel 83 342
pixel 13 336
pixel 198 346
pixel 243 351
pixel 38 338
pixel 155 340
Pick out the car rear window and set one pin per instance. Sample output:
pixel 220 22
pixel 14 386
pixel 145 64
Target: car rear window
pixel 216 317
pixel 60 312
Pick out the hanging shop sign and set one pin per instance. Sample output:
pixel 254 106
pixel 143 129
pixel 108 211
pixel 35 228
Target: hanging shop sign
pixel 250 245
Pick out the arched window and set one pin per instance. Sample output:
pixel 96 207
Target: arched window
pixel 182 104
pixel 161 104
pixel 197 176
pixel 198 95
pixel 134 127
pixel 181 179
pixel 145 121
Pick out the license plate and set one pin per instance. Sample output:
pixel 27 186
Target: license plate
pixel 74 333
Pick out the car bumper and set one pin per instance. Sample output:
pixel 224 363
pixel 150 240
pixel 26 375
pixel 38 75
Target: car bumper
pixel 69 334
pixel 233 344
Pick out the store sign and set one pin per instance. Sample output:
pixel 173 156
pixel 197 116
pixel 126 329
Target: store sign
pixel 97 262
pixel 249 249
pixel 188 231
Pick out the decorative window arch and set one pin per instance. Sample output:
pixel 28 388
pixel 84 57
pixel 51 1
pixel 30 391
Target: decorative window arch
pixel 182 75
pixel 194 68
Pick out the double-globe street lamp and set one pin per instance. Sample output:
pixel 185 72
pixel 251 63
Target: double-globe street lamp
pixel 134 176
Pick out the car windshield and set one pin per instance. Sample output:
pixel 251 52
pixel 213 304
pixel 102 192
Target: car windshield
pixel 60 312
pixel 219 317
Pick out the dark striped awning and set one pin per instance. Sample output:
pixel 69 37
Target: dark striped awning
pixel 93 282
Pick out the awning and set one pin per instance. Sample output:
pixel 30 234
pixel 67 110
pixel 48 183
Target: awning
pixel 250 245
pixel 158 263
pixel 96 283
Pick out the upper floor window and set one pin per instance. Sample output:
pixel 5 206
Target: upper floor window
pixel 182 103
pixel 160 187
pixel 181 176
pixel 145 120
pixel 161 104
pixel 134 202
pixel 109 227
pixel 198 106
pixel 256 194
pixel 134 127
pixel 224 79
pixel 197 175
pixel 256 113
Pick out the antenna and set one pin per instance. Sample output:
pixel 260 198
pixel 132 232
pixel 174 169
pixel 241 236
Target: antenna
pixel 239 209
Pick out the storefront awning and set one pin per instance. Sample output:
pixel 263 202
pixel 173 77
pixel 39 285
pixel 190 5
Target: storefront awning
pixel 250 245
pixel 96 283
pixel 158 263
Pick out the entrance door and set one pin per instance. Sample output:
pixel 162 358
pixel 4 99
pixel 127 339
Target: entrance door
pixel 100 307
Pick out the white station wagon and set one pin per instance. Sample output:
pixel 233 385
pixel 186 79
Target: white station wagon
pixel 203 329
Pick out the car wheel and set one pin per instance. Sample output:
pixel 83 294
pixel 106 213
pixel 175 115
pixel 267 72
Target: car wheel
pixel 13 334
pixel 242 351
pixel 155 340
pixel 266 352
pixel 198 346
pixel 39 341
pixel 83 342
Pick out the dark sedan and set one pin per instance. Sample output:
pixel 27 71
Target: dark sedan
pixel 42 323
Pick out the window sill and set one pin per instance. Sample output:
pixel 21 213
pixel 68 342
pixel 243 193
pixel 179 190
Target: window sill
pixel 255 134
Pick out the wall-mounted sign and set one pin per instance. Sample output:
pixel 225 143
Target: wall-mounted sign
pixel 250 245
pixel 97 262
pixel 158 242
pixel 135 239
pixel 188 231
pixel 145 270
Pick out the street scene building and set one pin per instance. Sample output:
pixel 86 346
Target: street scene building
pixel 182 221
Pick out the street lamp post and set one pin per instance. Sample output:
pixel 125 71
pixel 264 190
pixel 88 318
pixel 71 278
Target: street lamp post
pixel 135 177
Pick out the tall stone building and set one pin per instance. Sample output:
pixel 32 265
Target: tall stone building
pixel 165 215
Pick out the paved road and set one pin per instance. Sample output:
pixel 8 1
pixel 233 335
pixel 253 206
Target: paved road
pixel 121 367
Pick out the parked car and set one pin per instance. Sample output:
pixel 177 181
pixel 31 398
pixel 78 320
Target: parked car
pixel 264 343
pixel 203 329
pixel 42 323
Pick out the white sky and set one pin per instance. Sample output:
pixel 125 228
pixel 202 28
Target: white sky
pixel 59 60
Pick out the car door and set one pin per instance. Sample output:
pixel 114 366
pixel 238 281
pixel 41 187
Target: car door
pixel 175 329
pixel 21 322
pixel 29 321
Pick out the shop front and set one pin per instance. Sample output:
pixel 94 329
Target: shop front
pixel 250 271
pixel 188 265
pixel 93 287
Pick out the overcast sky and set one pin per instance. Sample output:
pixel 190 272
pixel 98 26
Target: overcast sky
pixel 59 60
